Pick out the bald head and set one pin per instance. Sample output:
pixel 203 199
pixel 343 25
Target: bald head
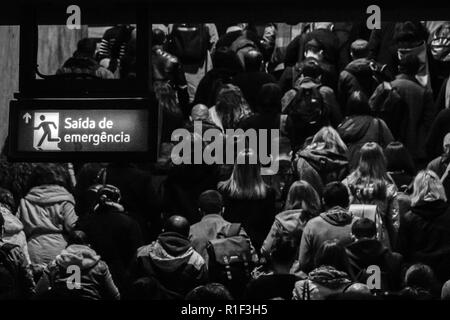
pixel 199 112
pixel 358 288
pixel 177 224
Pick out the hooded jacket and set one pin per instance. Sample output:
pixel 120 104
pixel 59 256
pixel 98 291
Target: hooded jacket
pixel 173 261
pixel 95 278
pixel 356 130
pixel 321 283
pixel 424 236
pixel 336 223
pixel 320 166
pixel 13 231
pixel 366 252
pixel 47 213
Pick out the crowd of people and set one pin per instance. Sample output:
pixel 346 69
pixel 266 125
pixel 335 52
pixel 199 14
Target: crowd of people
pixel 358 208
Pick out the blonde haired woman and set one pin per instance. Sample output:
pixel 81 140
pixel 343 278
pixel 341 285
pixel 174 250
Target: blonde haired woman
pixel 424 234
pixel 370 184
pixel 248 200
pixel 323 160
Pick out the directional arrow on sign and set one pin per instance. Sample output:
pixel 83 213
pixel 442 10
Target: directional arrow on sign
pixel 27 117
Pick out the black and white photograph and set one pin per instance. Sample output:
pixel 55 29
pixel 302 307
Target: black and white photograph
pixel 220 159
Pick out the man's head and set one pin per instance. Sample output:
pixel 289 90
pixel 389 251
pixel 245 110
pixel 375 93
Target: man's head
pixel 158 37
pixel 86 47
pixel 364 228
pixel 253 60
pixel 359 49
pixel 409 65
pixel 311 68
pixel 177 224
pixel 284 251
pixel 199 112
pixel 210 202
pixel 314 49
pixel 211 291
pixel 335 194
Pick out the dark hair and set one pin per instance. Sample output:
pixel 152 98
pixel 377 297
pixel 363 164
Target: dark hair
pixel 364 228
pixel 86 47
pixel 7 199
pixel 310 67
pixel 284 249
pixel 253 60
pixel 336 194
pixel 77 237
pixel 398 158
pixel 210 201
pixel 158 37
pixel 409 64
pixel 211 291
pixel 49 174
pixel 331 253
pixel 420 276
pixel 177 224
pixel 358 104
pixel 225 58
pixel 359 48
pixel 269 98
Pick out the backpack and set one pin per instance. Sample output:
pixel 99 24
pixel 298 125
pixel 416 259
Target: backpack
pixel 230 259
pixel 8 274
pixel 440 43
pixel 307 114
pixel 189 42
pixel 390 106
pixel 371 78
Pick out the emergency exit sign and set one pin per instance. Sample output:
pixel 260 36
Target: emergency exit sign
pixel 84 129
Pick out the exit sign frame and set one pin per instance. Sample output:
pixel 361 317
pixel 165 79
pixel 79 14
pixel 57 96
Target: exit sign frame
pixel 56 104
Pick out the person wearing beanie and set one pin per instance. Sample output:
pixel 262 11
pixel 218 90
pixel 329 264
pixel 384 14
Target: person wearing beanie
pixel 211 208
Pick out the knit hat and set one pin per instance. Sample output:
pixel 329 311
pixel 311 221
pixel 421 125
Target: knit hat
pixel 210 201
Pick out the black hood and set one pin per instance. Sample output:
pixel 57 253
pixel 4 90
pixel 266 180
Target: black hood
pixel 429 210
pixel 366 251
pixel 354 128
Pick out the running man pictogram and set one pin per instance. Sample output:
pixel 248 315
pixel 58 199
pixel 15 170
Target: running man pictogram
pixel 46 131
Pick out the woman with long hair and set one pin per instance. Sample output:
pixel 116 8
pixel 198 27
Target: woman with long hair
pixel 302 204
pixel 230 108
pixel 399 164
pixel 248 200
pixel 323 160
pixel 332 274
pixel 424 234
pixel 370 184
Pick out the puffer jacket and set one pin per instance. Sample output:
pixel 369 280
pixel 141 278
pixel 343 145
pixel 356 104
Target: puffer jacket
pixel 13 231
pixel 173 261
pixel 95 279
pixel 47 214
pixel 321 283
pixel 334 224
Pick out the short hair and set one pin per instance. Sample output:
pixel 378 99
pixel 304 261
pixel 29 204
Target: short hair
pixel 253 60
pixel 364 228
pixel 336 194
pixel 158 37
pixel 177 224
pixel 359 48
pixel 210 201
pixel 211 291
pixel 420 276
pixel 87 46
pixel 200 112
pixel 358 104
pixel 310 67
pixel 285 249
pixel 409 64
pixel 398 158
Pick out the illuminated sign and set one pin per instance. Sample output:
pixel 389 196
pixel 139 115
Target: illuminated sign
pixel 42 129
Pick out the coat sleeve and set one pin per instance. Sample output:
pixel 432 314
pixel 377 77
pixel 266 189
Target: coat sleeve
pixel 305 255
pixel 70 217
pixel 329 99
pixel 25 276
pixel 110 290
